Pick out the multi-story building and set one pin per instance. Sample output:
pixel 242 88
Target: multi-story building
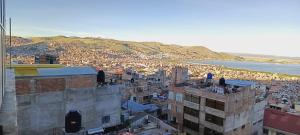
pixel 220 109
pixel 179 75
pixel 175 98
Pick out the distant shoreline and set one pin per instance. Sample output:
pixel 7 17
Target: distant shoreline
pixel 211 62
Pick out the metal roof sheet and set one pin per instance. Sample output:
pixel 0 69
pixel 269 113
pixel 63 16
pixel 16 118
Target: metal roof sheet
pixel 66 71
pixel 241 83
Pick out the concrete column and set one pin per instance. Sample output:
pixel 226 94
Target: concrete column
pixel 8 111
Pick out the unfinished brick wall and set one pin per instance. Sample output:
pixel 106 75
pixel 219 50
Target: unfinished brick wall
pixel 28 85
pixel 50 84
pixel 23 86
pixel 81 82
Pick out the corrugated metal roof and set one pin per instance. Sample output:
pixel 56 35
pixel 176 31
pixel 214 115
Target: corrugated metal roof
pixel 240 83
pixel 282 121
pixel 66 71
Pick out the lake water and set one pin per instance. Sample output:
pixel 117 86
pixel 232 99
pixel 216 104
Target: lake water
pixel 292 69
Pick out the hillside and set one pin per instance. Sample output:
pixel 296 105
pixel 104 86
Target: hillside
pixel 145 49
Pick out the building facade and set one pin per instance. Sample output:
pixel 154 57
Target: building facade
pixel 179 78
pixel 179 75
pixel 211 111
pixel 45 97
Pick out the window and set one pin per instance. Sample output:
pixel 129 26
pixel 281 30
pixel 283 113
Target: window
pixel 178 109
pixel 105 119
pixel 191 111
pixel 188 97
pixel 169 107
pixel 215 104
pixel 178 97
pixel 192 98
pixel 191 125
pixel 195 99
pixel 265 131
pixel 171 95
pixel 214 119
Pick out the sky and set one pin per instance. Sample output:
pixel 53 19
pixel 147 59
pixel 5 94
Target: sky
pixel 270 27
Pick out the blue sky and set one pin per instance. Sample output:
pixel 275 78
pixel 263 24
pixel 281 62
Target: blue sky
pixel 244 26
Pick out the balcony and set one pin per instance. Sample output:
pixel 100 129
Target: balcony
pixel 215 112
pixel 191 118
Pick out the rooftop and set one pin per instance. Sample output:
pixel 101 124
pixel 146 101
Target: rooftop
pixel 282 121
pixel 66 71
pixel 51 70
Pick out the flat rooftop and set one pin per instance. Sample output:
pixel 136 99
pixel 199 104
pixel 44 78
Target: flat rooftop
pixel 233 86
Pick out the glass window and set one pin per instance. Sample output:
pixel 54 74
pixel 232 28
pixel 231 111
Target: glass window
pixel 187 97
pixel 169 107
pixel 191 125
pixel 191 111
pixel 192 98
pixel 179 97
pixel 178 109
pixel 171 95
pixel 214 119
pixel 215 104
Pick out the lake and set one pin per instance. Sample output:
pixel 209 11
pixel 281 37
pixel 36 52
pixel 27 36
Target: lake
pixel 292 69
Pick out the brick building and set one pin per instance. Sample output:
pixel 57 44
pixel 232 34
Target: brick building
pixel 44 98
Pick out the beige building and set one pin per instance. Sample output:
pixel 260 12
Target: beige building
pixel 179 75
pixel 218 110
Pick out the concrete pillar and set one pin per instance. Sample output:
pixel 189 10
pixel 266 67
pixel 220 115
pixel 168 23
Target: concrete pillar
pixel 8 111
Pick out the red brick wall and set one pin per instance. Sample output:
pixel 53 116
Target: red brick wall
pixel 81 82
pixel 23 86
pixel 50 84
pixel 39 85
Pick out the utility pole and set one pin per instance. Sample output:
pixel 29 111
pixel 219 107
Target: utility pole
pixel 10 46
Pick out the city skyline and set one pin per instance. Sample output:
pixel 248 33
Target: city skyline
pixel 259 27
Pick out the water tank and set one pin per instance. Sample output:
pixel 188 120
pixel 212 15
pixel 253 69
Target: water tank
pixel 222 82
pixel 101 77
pixel 209 76
pixel 73 122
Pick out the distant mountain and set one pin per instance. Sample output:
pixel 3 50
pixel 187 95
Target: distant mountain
pixel 129 47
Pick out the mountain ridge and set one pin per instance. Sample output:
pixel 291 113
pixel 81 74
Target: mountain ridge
pixel 171 51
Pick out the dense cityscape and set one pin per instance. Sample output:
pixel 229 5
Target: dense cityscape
pixel 76 85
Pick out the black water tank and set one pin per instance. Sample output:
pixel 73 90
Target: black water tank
pixel 222 82
pixel 73 122
pixel 101 76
